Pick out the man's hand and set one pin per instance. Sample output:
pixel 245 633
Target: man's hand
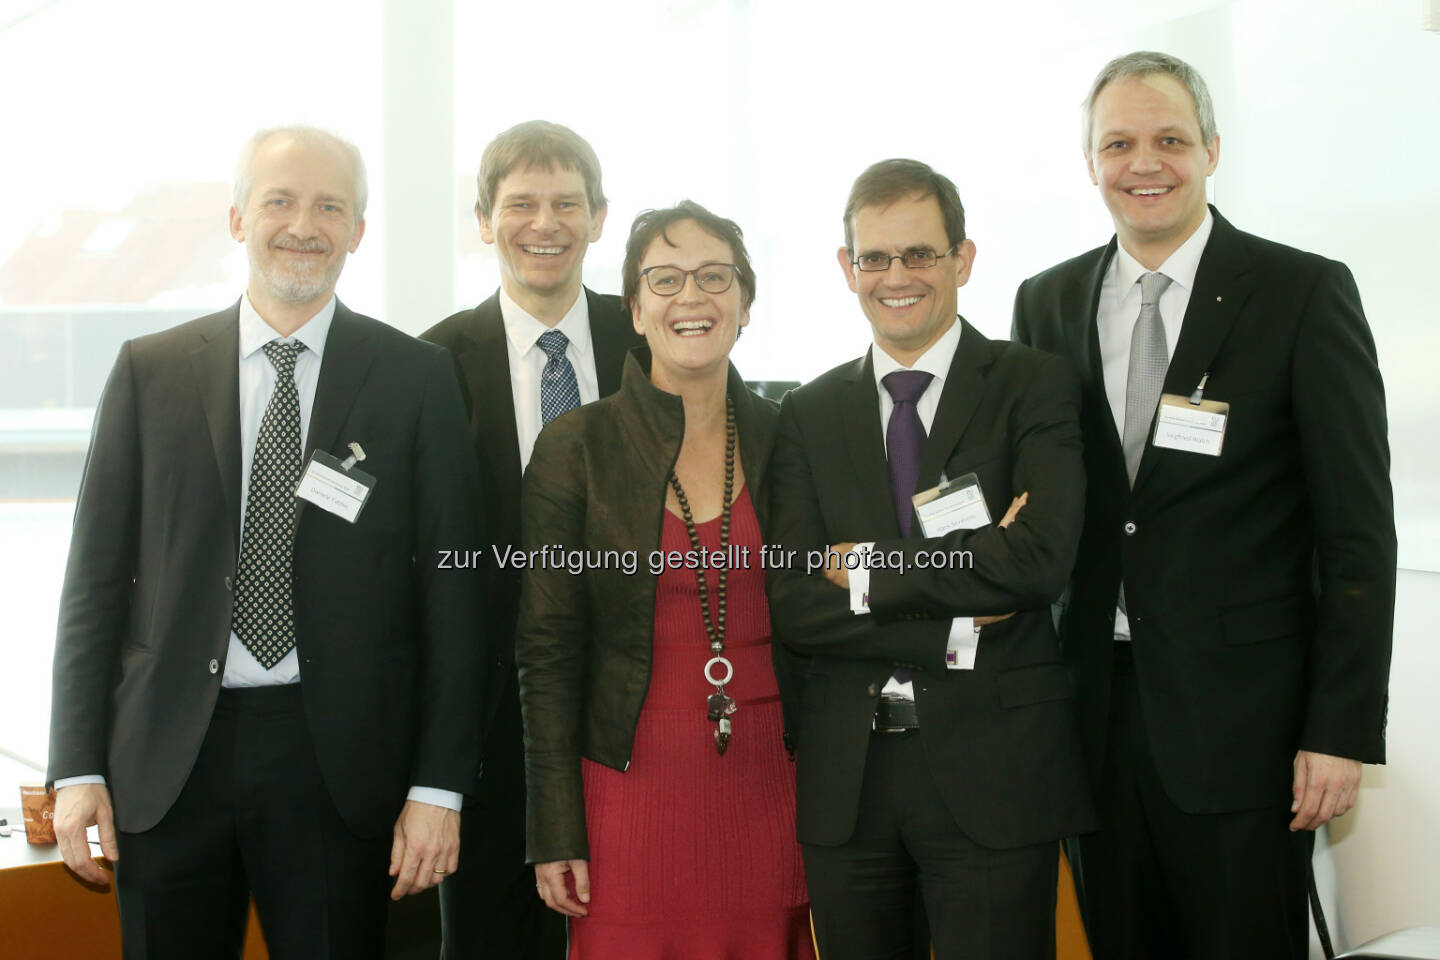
pixel 550 884
pixel 79 806
pixel 1005 521
pixel 835 570
pixel 1325 787
pixel 426 847
pixel 1014 510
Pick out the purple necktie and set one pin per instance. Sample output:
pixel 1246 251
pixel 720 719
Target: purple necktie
pixel 905 439
pixel 904 442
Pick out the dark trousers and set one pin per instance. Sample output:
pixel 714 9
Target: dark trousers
pixel 254 818
pixel 982 904
pixel 1156 882
pixel 489 909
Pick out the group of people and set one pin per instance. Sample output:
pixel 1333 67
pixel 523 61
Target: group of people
pixel 1124 581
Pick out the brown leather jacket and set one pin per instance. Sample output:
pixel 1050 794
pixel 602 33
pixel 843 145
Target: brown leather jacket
pixel 596 481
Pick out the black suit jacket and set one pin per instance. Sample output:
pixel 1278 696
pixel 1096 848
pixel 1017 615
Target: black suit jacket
pixel 1260 584
pixel 477 340
pixel 392 649
pixel 1001 739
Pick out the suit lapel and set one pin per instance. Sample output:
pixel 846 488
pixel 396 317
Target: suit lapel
pixel 1086 330
pixel 860 425
pixel 611 336
pixel 342 371
pixel 959 399
pixel 216 365
pixel 485 363
pixel 1222 284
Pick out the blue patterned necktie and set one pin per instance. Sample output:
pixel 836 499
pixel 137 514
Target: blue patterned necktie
pixel 558 390
pixel 263 616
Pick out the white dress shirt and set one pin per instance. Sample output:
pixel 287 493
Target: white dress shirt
pixel 527 360
pixel 257 383
pixel 1115 322
pixel 936 362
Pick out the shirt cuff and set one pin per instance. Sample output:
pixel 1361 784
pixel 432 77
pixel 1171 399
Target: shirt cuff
pixel 72 781
pixel 860 578
pixel 448 799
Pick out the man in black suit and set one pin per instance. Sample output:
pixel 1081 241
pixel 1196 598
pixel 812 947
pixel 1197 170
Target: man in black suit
pixel 540 346
pixel 1229 617
pixel 936 759
pixel 252 671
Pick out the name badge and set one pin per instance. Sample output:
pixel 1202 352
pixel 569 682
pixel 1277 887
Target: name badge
pixel 336 485
pixel 1182 423
pixel 957 504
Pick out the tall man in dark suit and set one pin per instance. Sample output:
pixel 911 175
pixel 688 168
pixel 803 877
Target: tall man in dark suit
pixel 257 672
pixel 540 346
pixel 1229 618
pixel 936 759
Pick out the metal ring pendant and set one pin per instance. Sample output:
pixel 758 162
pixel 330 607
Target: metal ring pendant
pixel 729 671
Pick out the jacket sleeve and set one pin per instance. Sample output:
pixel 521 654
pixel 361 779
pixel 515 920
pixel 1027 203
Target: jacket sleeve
pixel 99 578
pixel 457 653
pixel 1339 404
pixel 551 642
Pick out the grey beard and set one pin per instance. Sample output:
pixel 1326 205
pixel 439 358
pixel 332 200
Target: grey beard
pixel 291 287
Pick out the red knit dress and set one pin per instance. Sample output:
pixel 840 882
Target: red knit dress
pixel 693 855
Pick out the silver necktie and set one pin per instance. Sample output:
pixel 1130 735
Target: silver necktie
pixel 1148 362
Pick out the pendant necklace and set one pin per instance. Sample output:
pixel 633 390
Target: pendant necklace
pixel 719 706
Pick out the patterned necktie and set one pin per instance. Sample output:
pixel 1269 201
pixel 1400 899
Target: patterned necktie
pixel 905 439
pixel 264 613
pixel 1148 362
pixel 558 390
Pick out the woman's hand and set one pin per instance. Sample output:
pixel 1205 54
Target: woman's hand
pixel 550 884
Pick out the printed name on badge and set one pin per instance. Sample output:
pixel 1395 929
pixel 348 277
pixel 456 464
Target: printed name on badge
pixel 1181 424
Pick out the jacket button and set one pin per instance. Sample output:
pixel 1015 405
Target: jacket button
pixel 873 689
pixel 1129 528
pixel 214 666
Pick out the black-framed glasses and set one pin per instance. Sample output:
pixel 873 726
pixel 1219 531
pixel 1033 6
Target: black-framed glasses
pixel 916 258
pixel 666 280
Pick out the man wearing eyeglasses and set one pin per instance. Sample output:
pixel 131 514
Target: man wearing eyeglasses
pixel 1229 620
pixel 937 741
pixel 542 345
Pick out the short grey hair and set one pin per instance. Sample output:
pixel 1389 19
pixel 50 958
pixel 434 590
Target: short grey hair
pixel 1144 63
pixel 240 193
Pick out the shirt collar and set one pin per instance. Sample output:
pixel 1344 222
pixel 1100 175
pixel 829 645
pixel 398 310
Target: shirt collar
pixel 1180 266
pixel 934 361
pixel 522 329
pixel 255 332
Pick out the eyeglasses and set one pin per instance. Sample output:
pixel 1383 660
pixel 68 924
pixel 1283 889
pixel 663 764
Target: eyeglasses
pixel 666 280
pixel 916 258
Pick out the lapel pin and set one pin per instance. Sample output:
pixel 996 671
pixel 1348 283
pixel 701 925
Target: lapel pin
pixel 1219 299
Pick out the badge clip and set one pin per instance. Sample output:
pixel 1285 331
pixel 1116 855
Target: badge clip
pixel 1199 393
pixel 357 453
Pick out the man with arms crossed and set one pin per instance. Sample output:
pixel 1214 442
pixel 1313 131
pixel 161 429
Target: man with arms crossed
pixel 541 345
pixel 937 761
pixel 257 675
pixel 1229 618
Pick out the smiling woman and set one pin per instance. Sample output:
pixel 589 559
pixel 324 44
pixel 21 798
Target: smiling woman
pixel 672 676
